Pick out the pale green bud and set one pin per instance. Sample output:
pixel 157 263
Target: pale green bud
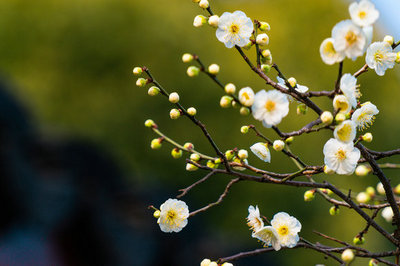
pixel 149 123
pixel 363 197
pixel 192 111
pixel 289 140
pixel 370 191
pixel 243 154
pixel 264 26
pixel 174 114
pixel 326 191
pixel 266 53
pixel 156 144
pixel 302 109
pixel 334 210
pixel 389 39
pixel 230 88
pixel 213 69
pixel 173 97
pixel 157 214
pixel 204 4
pixel 327 117
pixel 211 164
pixel 217 161
pixel 192 71
pixel 153 91
pixel 141 82
pixel 195 157
pixel 229 155
pixel 265 68
pixel 199 21
pixel 347 255
pixel 226 101
pixel 397 189
pixel 244 129
pixel 373 262
pixel 137 71
pixel 292 81
pixel 367 137
pixel 190 167
pixel 309 195
pixel 176 153
pixel 187 58
pixel 278 145
pixel 358 240
pixel 340 117
pixel 189 146
pixel 244 111
pixel 362 170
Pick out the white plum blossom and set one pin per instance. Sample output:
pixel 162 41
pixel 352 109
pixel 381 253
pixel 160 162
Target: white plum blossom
pixel 369 32
pixel 341 157
pixel 380 56
pixel 173 216
pixel 341 104
pixel 299 88
pixel 348 85
pixel 254 220
pixel 261 151
pixel 246 96
pixel 365 116
pixel 328 53
pixel 349 39
pixel 234 29
pixel 270 107
pixel 287 228
pixel 363 13
pixel 346 131
pixel 269 236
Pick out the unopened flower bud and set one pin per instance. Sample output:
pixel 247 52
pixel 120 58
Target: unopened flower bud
pixel 264 26
pixel 213 21
pixel 328 170
pixel 266 53
pixel 226 101
pixel 229 155
pixel 137 71
pixel 278 145
pixel 187 58
pixel 195 157
pixel 192 111
pixel 217 161
pixel 248 45
pixel 199 21
pixel 204 4
pixel 262 39
pixel 292 81
pixel 174 97
pixel 327 191
pixel 362 170
pixel 141 82
pixel 149 123
pixel 189 146
pixel 157 214
pixel 340 117
pixel 227 264
pixel 191 167
pixel 205 262
pixel 155 144
pixel 192 71
pixel 239 168
pixel 243 154
pixel 347 255
pixel 373 262
pixel 334 210
pixel 176 153
pixel 302 109
pixel 387 214
pixel 213 69
pixel 309 195
pixel 213 263
pixel 211 164
pixel 397 189
pixel 244 111
pixel 363 197
pixel 358 240
pixel 244 129
pixel 230 88
pixel 265 68
pixel 380 188
pixel 153 91
pixel 327 117
pixel 389 39
pixel 367 137
pixel 370 191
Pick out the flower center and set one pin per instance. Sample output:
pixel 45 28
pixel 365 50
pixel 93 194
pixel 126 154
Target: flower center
pixel 341 154
pixel 283 230
pixel 362 14
pixel 329 49
pixel 234 28
pixel 351 37
pixel 270 105
pixel 344 132
pixel 378 56
pixel 342 105
pixel 171 214
pixel 246 96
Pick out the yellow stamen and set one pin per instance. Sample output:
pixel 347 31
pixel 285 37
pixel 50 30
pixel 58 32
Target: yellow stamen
pixel 270 105
pixel 362 14
pixel 234 28
pixel 341 154
pixel 351 37
pixel 283 230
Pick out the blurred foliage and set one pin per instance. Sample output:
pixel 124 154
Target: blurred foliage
pixel 71 62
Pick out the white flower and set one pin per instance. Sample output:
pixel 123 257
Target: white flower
pixel 287 228
pixel 234 29
pixel 299 88
pixel 269 236
pixel 173 216
pixel 261 151
pixel 254 220
pixel 348 85
pixel 387 214
pixel 380 56
pixel 328 53
pixel 369 32
pixel 341 157
pixel 364 116
pixel 363 13
pixel 341 103
pixel 246 96
pixel 349 38
pixel 346 131
pixel 270 107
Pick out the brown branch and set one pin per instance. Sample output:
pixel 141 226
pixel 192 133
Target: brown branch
pixel 186 190
pixel 306 129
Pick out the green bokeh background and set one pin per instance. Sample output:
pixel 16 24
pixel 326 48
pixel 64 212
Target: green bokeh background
pixel 71 62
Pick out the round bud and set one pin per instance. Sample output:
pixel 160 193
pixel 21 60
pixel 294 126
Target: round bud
pixel 192 71
pixel 264 26
pixel 370 191
pixel 205 262
pixel 347 255
pixel 190 167
pixel 176 153
pixel 362 170
pixel 248 45
pixel 262 39
pixel 187 58
pixel 367 137
pixel 213 263
pixel 265 68
pixel 358 240
pixel 244 129
pixel 387 214
pixel 302 109
pixel 149 123
pixel 389 39
pixel 213 21
pixel 309 195
pixel 226 101
pixel 326 191
pixel 211 164
pixel 217 161
pixel 289 140
pixel 229 155
pixel 244 111
pixel 243 154
pixel 174 97
pixel 189 146
pixel 334 210
pixel 230 88
pixel 195 157
pixel 157 214
pixel 292 81
pixel 278 145
pixel 153 91
pixel 227 264
pixel 192 111
pixel 363 197
pixel 155 144
pixel 239 168
pixel 327 117
pixel 398 57
pixel 199 21
pixel 141 82
pixel 373 262
pixel 380 188
pixel 328 170
pixel 213 69
pixel 137 71
pixel 340 117
pixel 397 189
pixel 204 4
pixel 266 53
